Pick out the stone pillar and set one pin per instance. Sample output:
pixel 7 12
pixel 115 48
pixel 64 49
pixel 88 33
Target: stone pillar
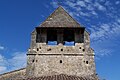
pixel 43 36
pixel 60 37
pixel 86 41
pixel 33 39
pixel 77 36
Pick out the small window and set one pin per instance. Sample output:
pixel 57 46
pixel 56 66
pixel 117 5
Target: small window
pixel 60 61
pixel 79 47
pixel 61 49
pixel 49 49
pixel 83 49
pixel 37 49
pixel 36 60
pixel 40 47
pixel 32 60
pixel 86 62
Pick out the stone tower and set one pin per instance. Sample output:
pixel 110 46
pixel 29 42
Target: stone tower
pixel 60 45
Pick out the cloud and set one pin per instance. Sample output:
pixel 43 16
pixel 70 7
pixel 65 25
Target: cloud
pixel 104 52
pixel 88 1
pixel 99 6
pixel 71 4
pixel 90 7
pixel 81 3
pixel 54 4
pixel 100 18
pixel 17 61
pixel 100 15
pixel 104 31
pixel 94 13
pixel 99 32
pixel 1 58
pixel 84 14
pixel 1 47
pixel 118 20
pixel 117 2
pixel 2 68
pixel 86 5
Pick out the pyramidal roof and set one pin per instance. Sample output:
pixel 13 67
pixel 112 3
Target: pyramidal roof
pixel 60 18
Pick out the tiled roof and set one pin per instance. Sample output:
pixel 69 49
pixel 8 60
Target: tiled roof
pixel 62 77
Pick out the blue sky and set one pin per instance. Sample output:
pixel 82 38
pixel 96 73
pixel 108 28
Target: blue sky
pixel 100 17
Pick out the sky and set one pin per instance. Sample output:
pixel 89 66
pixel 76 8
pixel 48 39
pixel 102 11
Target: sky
pixel 18 18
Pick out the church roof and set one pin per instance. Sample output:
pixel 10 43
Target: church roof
pixel 60 18
pixel 63 77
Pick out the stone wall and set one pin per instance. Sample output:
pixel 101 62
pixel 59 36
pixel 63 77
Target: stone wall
pixel 48 60
pixel 14 75
pixel 42 48
pixel 41 65
pixel 43 59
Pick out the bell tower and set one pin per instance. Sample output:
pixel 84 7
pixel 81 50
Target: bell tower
pixel 60 45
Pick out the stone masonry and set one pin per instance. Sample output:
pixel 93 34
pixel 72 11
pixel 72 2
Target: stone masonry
pixel 44 59
pixel 71 54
